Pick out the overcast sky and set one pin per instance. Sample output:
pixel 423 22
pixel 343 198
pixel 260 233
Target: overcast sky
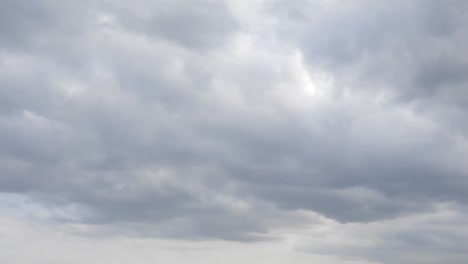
pixel 233 131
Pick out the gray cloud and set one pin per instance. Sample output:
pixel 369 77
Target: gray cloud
pixel 190 24
pixel 412 48
pixel 183 119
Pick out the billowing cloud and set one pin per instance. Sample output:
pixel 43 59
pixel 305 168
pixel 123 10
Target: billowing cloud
pixel 331 128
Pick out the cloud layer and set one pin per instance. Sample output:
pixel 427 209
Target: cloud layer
pixel 335 126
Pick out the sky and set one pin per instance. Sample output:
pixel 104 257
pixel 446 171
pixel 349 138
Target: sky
pixel 233 131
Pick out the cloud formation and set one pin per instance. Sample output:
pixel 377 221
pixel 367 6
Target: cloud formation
pixel 336 127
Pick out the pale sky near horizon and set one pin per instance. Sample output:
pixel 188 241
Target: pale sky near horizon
pixel 233 131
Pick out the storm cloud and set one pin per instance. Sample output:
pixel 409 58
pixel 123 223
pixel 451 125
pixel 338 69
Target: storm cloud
pixel 338 125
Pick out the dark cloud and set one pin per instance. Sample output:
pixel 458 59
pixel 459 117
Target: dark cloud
pixel 179 118
pixel 190 24
pixel 411 48
pixel 38 24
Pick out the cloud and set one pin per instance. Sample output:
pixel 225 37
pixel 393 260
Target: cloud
pixel 227 120
pixel 198 24
pixel 410 49
pixel 424 238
